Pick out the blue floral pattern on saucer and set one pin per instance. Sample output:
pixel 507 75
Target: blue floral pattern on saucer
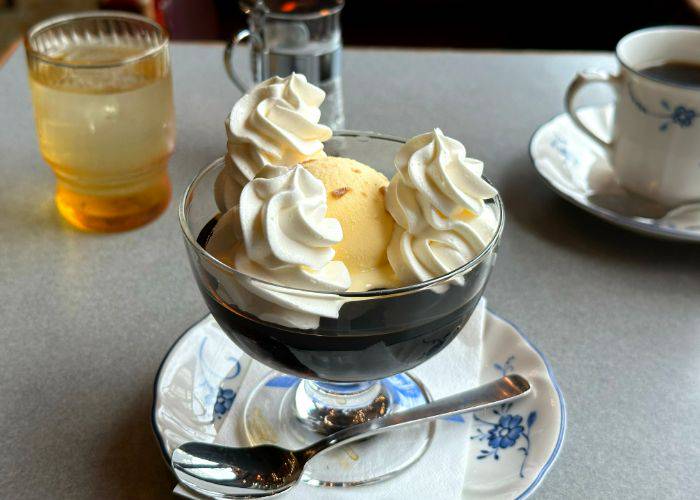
pixel 561 146
pixel 508 429
pixel 214 388
pixel 224 401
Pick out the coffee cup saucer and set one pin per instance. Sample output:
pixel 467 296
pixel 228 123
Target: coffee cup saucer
pixel 580 171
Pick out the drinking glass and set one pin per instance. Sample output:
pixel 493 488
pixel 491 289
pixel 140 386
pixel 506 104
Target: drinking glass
pixel 303 36
pixel 105 121
pixel 348 369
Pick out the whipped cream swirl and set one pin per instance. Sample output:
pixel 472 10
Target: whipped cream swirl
pixel 437 200
pixel 276 123
pixel 286 240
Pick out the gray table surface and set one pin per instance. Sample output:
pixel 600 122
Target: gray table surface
pixel 86 318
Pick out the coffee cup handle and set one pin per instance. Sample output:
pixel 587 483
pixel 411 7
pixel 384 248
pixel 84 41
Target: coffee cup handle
pixel 228 59
pixel 582 79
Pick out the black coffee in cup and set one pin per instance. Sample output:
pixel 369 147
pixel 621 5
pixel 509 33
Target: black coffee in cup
pixel 678 72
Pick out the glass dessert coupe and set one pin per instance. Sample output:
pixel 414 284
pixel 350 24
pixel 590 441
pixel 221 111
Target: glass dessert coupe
pixel 351 368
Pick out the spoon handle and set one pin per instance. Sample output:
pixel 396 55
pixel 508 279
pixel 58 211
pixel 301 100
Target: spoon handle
pixel 503 390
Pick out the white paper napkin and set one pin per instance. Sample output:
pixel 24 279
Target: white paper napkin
pixel 440 473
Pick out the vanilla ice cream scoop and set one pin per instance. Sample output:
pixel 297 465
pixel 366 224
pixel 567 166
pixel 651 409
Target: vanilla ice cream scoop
pixel 355 196
pixel 355 193
pixel 276 123
pixel 437 200
pixel 282 236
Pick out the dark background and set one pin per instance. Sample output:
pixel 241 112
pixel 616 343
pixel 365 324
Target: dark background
pixel 587 25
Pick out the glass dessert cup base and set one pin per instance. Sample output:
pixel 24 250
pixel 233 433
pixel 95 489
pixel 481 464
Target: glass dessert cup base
pixel 291 412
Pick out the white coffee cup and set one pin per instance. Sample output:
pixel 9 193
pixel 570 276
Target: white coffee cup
pixel 655 143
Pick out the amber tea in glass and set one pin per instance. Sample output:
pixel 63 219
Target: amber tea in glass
pixel 103 105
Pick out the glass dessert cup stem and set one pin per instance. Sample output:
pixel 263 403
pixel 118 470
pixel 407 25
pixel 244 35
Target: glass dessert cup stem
pixel 293 412
pixel 326 407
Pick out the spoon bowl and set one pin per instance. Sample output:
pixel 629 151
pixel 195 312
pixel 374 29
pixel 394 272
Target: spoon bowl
pixel 258 471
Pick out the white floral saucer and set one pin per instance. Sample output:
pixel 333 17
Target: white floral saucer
pixel 510 449
pixel 579 170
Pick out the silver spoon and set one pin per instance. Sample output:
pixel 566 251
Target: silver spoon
pixel 226 472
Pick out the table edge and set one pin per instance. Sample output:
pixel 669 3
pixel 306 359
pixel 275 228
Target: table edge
pixel 396 48
pixel 9 51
